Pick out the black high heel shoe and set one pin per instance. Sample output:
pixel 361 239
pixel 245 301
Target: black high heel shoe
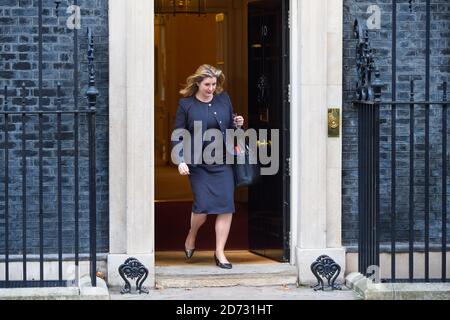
pixel 222 265
pixel 189 253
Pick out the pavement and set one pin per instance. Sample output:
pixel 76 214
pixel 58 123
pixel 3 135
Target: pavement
pixel 285 292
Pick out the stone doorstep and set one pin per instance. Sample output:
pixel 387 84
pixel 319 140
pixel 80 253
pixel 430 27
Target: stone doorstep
pixel 83 292
pixel 240 275
pixel 397 291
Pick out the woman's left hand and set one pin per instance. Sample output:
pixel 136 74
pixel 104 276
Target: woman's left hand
pixel 238 121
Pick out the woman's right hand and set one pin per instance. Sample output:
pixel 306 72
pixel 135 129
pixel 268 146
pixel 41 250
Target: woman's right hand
pixel 183 169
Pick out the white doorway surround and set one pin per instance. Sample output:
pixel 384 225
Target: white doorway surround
pixel 316 80
pixel 131 117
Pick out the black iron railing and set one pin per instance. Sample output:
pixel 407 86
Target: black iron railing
pixel 373 115
pixel 369 185
pixel 32 132
pixel 79 117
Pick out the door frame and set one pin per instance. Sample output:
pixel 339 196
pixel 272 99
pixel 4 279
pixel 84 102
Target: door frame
pixel 131 118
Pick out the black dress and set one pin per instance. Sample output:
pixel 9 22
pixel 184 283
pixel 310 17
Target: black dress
pixel 212 184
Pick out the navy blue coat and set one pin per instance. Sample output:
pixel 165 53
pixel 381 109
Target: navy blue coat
pixel 190 109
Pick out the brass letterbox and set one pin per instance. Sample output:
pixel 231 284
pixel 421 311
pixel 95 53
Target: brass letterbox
pixel 334 122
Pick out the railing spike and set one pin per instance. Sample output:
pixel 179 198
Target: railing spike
pixel 5 102
pixel 444 91
pixel 58 95
pixel 92 92
pixel 24 96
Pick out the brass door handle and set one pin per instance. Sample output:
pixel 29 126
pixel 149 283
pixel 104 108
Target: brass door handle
pixel 263 143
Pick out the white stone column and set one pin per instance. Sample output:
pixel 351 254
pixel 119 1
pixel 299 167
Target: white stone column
pixel 334 100
pixel 117 127
pixel 131 136
pixel 315 158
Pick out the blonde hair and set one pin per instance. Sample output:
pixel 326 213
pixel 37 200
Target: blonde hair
pixel 203 72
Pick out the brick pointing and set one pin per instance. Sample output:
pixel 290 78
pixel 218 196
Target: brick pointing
pixel 18 64
pixel 410 65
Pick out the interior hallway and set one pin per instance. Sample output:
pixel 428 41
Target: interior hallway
pixel 171 186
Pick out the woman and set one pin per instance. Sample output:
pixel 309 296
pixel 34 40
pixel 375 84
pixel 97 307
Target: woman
pixel 212 184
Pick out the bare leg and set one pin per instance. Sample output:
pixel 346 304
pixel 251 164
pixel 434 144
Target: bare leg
pixel 197 220
pixel 223 224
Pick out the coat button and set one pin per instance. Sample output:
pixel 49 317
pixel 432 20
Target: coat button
pixel 215 112
pixel 210 105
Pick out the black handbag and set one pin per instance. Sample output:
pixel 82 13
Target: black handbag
pixel 245 173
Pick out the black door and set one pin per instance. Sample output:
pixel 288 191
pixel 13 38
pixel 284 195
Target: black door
pixel 268 71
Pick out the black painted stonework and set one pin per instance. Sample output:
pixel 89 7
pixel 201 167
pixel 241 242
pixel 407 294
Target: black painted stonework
pixel 410 66
pixel 18 64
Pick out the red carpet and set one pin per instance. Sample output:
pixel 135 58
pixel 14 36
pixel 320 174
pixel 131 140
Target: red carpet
pixel 172 220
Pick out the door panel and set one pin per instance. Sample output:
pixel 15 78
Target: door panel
pixel 268 109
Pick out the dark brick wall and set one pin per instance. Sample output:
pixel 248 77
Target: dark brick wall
pixel 410 65
pixel 18 64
